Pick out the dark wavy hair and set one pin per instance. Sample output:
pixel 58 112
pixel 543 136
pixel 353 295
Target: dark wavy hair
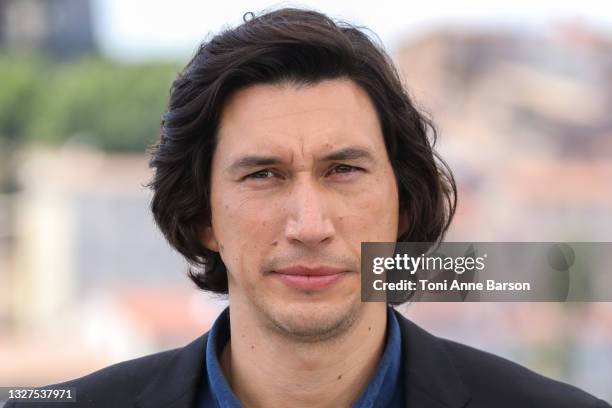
pixel 296 46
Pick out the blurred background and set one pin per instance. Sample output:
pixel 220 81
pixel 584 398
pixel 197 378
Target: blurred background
pixel 520 92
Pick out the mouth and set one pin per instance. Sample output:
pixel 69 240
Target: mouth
pixel 306 278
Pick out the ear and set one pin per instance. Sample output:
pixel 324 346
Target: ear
pixel 208 239
pixel 403 223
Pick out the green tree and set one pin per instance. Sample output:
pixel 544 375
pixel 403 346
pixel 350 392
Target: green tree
pixel 113 106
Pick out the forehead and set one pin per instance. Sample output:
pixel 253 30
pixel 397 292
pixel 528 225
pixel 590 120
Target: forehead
pixel 327 114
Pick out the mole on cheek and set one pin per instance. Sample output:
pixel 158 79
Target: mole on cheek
pixel 275 243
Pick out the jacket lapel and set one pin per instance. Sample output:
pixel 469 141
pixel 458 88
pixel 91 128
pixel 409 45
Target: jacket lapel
pixel 430 378
pixel 177 384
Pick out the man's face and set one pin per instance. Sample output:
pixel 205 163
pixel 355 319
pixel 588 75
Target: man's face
pixel 300 177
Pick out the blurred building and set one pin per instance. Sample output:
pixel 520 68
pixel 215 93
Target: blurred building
pixel 90 276
pixel 60 28
pixel 524 123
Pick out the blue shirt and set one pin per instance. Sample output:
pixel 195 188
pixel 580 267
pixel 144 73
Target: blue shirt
pixel 384 390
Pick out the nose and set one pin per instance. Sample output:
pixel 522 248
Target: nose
pixel 309 222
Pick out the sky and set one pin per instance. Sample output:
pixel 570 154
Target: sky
pixel 172 29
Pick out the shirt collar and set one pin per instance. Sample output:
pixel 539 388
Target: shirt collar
pixel 383 387
pixel 218 336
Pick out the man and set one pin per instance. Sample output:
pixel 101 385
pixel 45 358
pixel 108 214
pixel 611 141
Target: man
pixel 288 141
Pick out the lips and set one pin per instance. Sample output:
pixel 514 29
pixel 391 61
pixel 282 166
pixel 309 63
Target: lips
pixel 310 278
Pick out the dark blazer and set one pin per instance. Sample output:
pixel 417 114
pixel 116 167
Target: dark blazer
pixel 438 373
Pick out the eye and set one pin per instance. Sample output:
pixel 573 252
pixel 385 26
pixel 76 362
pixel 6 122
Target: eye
pixel 344 169
pixel 261 174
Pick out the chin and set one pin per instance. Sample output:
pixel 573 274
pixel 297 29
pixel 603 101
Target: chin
pixel 313 320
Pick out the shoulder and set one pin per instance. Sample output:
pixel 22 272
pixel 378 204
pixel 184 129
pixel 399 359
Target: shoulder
pixel 163 376
pixel 453 374
pixel 491 378
pixel 114 384
pixel 121 380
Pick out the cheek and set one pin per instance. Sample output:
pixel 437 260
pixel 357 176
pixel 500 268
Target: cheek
pixel 244 229
pixel 373 216
pixel 254 218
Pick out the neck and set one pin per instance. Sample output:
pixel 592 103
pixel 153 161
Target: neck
pixel 265 369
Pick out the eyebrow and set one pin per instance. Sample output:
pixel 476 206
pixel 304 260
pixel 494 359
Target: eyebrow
pixel 348 153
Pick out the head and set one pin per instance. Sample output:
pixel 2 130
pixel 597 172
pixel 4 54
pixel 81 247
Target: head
pixel 288 141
